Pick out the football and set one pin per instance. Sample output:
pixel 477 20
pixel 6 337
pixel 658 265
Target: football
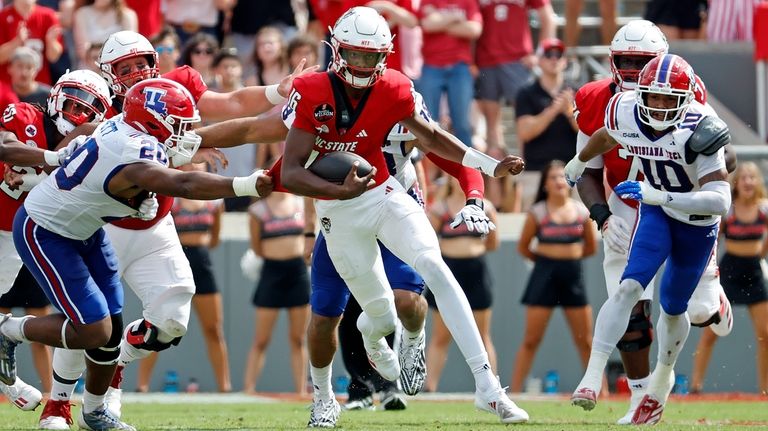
pixel 335 166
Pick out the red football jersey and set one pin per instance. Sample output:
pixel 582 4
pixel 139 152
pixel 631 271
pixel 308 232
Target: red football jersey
pixel 591 102
pixel 26 122
pixel 387 102
pixel 192 81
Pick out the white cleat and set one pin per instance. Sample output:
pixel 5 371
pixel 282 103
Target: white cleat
pixel 324 414
pixel 101 420
pixel 57 415
pixel 413 364
pixel 24 396
pixel 384 360
pixel 497 402
pixel 725 326
pixel 112 400
pixel 634 401
pixel 585 398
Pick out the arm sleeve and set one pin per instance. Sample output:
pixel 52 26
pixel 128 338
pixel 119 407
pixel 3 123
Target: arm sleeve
pixel 713 198
pixel 581 142
pixel 470 180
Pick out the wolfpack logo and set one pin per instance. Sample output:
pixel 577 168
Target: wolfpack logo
pixel 31 131
pixel 326 223
pixel 154 100
pixel 324 112
pixel 323 129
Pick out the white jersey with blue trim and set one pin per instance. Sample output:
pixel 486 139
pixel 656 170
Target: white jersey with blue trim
pixel 399 159
pixel 662 158
pixel 74 201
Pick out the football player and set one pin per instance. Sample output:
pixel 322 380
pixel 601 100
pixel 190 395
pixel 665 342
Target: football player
pixel 679 145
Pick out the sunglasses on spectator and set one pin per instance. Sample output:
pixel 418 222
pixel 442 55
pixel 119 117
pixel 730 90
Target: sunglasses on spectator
pixel 165 49
pixel 553 53
pixel 202 51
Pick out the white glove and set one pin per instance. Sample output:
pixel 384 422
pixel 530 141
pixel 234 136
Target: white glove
pixel 251 265
pixel 641 191
pixel 475 219
pixel 573 170
pixel 616 234
pixel 148 208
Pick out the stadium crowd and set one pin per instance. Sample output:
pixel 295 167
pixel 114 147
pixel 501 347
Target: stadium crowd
pixel 472 63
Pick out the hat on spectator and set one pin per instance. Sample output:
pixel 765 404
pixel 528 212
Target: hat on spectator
pixel 551 43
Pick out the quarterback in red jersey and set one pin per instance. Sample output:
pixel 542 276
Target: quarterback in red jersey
pixel 77 97
pixel 633 46
pixel 342 110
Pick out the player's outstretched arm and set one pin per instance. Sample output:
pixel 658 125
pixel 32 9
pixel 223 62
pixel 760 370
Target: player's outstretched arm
pixel 85 129
pixel 263 129
pixel 599 143
pixel 190 185
pixel 13 152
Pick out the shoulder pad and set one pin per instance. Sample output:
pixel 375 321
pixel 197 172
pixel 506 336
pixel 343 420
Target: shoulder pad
pixel 710 135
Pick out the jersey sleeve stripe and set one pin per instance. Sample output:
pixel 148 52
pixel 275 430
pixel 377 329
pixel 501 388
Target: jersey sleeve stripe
pixel 612 122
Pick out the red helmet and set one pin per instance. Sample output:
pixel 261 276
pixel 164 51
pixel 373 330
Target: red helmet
pixel 668 75
pixel 164 109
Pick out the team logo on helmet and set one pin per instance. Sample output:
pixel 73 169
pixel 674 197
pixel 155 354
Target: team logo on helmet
pixel 154 100
pixel 323 112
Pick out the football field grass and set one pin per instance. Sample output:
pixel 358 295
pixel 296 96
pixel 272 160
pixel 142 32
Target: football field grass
pixel 421 415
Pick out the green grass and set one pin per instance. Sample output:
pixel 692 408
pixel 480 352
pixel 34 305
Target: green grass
pixel 420 415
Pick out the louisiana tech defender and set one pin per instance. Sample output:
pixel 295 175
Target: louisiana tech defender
pixel 678 143
pixel 633 46
pixel 77 97
pixel 59 231
pixel 353 108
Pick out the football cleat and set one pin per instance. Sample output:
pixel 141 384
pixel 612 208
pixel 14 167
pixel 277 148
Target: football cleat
pixel 324 414
pixel 648 412
pixel 584 398
pixel 497 402
pixel 101 419
pixel 413 364
pixel 7 355
pixel 361 404
pixel 384 360
pixel 112 400
pixel 634 401
pixel 393 400
pixel 24 396
pixel 724 327
pixel 57 415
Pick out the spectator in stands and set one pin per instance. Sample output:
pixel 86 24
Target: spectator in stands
pixel 24 23
pixel 150 16
pixel 303 46
pixel 168 47
pixel 277 236
pixel 97 19
pixel 190 17
pixel 677 19
pixel 450 27
pixel 741 269
pixel 566 235
pixel 464 253
pixel 25 63
pixel 198 224
pixel 546 129
pixel 268 57
pixel 730 20
pixel 505 56
pixel 198 53
pixel 573 9
pixel 92 57
pixel 65 11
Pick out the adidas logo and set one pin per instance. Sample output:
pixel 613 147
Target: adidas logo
pixel 712 233
pixel 362 134
pixel 492 405
pixel 387 190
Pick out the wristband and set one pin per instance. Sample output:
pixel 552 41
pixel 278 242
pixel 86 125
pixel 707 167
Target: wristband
pixel 309 234
pixel 476 202
pixel 273 95
pixel 599 213
pixel 246 186
pixel 480 161
pixel 51 158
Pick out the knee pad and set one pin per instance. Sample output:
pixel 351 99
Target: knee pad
pixel 378 318
pixel 108 353
pixel 143 335
pixel 639 323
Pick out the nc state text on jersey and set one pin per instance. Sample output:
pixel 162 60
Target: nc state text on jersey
pixel 322 144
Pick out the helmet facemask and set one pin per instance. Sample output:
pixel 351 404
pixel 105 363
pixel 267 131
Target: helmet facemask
pixel 626 67
pixel 180 141
pixel 72 106
pixel 358 67
pixel 669 116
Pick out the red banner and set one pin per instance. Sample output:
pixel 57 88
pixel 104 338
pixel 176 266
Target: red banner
pixel 760 29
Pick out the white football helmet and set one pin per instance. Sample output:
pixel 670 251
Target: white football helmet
pixel 78 97
pixel 638 38
pixel 360 41
pixel 121 46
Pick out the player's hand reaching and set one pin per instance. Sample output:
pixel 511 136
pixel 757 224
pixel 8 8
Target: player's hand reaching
pixel 148 208
pixel 212 156
pixel 640 191
pixel 509 165
pixel 264 184
pixel 286 84
pixel 475 218
pixel 354 186
pixel 573 170
pixel 616 234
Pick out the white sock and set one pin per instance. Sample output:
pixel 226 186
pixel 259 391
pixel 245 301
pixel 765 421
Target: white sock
pixel 481 370
pixel 672 333
pixel 91 401
pixel 68 366
pixel 410 337
pixel 321 380
pixel 13 328
pixel 638 386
